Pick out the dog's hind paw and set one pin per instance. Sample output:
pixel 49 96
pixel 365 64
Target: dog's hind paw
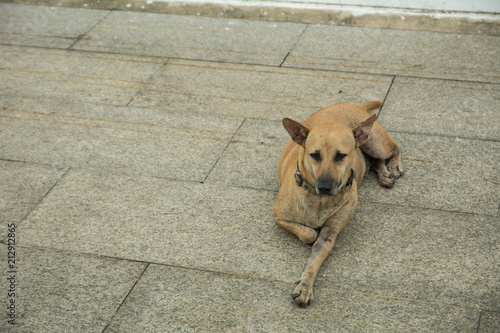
pixel 395 168
pixel 386 181
pixel 302 295
pixel 388 174
pixel 385 178
pixel 394 165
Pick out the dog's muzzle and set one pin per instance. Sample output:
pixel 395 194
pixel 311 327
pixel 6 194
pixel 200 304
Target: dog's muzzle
pixel 326 186
pixel 323 187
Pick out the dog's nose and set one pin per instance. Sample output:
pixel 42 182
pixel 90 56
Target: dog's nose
pixel 324 186
pixel 324 190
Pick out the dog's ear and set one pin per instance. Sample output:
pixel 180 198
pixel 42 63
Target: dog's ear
pixel 362 131
pixel 297 131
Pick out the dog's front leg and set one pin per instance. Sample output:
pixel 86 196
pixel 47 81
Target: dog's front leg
pixel 303 293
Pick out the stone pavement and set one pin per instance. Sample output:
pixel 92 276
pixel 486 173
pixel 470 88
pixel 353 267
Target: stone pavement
pixel 138 158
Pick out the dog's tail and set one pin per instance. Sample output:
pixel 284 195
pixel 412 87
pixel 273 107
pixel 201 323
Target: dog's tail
pixel 368 106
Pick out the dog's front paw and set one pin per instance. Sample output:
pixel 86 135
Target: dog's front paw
pixel 303 294
pixel 308 235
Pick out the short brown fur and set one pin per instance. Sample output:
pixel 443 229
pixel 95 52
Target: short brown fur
pixel 325 148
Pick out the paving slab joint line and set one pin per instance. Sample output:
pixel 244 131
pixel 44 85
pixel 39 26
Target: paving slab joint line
pixel 147 80
pixel 422 207
pixel 40 200
pixel 89 254
pixel 242 274
pixel 25 162
pixel 355 290
pixel 446 136
pixel 249 64
pixel 223 151
pixel 479 321
pixel 460 81
pixel 125 298
pixel 481 317
pixel 385 74
pixel 47 193
pixel 294 44
pixel 81 36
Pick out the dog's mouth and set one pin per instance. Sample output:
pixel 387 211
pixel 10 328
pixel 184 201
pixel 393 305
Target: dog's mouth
pixel 327 187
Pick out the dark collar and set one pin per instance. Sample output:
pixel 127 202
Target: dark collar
pixel 310 188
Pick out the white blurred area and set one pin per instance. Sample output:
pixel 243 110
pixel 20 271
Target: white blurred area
pixel 471 6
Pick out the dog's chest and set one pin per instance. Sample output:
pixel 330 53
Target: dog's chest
pixel 313 212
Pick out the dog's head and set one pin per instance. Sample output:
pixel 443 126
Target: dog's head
pixel 329 151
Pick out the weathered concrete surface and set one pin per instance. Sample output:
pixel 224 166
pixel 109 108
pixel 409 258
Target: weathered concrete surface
pixel 23 186
pixel 141 185
pixel 45 26
pixel 260 91
pixel 440 107
pixel 66 292
pixel 320 12
pixel 397 52
pixel 489 322
pixel 210 302
pixel 121 139
pixel 193 37
pixel 96 78
pixel 449 182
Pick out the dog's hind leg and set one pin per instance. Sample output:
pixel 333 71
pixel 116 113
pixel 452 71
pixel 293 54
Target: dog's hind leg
pixel 382 147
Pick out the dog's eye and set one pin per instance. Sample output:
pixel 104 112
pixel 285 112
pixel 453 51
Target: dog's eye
pixel 339 157
pixel 316 157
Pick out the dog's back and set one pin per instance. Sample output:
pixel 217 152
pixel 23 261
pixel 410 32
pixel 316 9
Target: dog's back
pixel 347 113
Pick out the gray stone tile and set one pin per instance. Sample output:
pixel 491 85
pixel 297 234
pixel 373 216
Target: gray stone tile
pixel 73 76
pixel 171 299
pixel 251 159
pixel 412 253
pixel 490 322
pixel 121 139
pixel 22 186
pixel 45 26
pixel 204 38
pixel 398 52
pixel 255 91
pixel 66 292
pixel 439 107
pixel 443 173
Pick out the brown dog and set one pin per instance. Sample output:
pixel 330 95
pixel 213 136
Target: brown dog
pixel 319 171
